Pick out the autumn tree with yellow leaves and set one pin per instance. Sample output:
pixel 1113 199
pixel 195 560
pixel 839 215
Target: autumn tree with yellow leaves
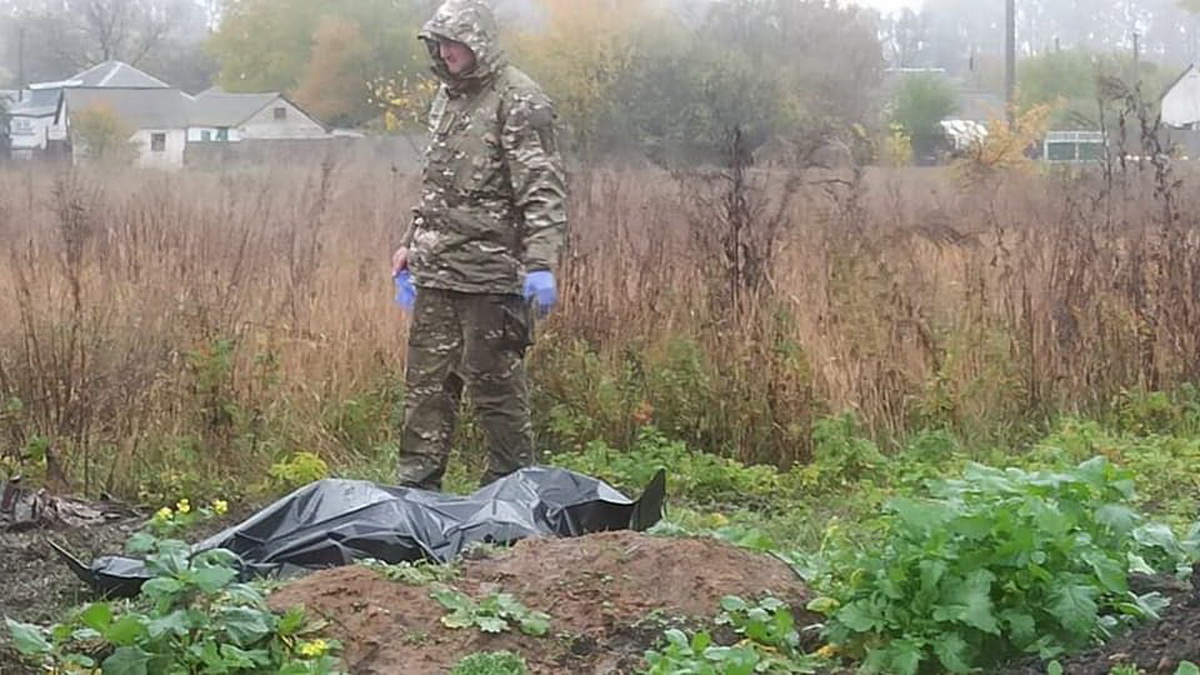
pixel 581 52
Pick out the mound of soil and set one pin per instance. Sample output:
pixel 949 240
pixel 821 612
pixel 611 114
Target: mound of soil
pixel 602 592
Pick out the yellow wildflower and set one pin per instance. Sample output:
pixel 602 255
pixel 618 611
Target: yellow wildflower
pixel 220 507
pixel 313 648
pixel 163 514
pixel 183 506
pixel 828 651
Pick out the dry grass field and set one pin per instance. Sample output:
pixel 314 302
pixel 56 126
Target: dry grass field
pixel 164 330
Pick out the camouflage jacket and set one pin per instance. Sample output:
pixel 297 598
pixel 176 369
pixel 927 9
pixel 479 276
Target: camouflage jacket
pixel 493 203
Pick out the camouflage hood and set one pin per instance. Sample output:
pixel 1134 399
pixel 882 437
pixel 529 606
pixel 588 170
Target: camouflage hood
pixel 473 23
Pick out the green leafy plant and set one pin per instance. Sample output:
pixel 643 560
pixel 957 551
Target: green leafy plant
pixel 494 613
pixel 769 623
pixel 191 617
pixel 770 644
pixel 412 574
pixel 169 521
pixel 700 655
pixel 297 471
pixel 692 476
pixel 998 564
pixel 491 663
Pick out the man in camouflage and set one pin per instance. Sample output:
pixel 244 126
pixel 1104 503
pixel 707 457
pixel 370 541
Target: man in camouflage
pixel 481 249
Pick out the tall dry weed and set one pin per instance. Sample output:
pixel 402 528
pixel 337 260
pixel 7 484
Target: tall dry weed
pixel 160 329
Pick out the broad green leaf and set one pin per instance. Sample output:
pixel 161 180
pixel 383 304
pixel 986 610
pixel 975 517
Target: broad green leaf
pixel 161 587
pixel 860 616
pixel 1187 668
pixel 244 626
pixel 27 638
pixel 536 623
pixel 141 543
pixel 1138 564
pixel 1074 605
pixel 922 516
pixel 175 623
pixel 1108 571
pixel 127 661
pixel 126 631
pixel 701 641
pixel 905 656
pixel 450 598
pixel 932 572
pixel 734 660
pixel 969 602
pixel 1116 517
pixel 732 603
pixel 235 657
pixel 97 616
pixel 291 622
pixel 953 652
pixel 1055 668
pixel 213 579
pixel 1022 627
pixel 491 624
pixel 1158 535
pixel 458 620
pixel 823 605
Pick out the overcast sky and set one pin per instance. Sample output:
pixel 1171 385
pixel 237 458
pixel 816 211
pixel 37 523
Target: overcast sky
pixel 889 5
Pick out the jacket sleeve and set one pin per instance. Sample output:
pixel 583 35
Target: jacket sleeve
pixel 538 177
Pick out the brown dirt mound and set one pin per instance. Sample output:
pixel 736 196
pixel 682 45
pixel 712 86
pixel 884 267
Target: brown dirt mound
pixel 598 590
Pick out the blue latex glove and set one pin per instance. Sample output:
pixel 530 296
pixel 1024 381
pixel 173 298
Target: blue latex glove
pixel 540 287
pixel 406 294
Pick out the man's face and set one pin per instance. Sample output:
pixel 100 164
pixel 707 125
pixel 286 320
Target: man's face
pixel 458 57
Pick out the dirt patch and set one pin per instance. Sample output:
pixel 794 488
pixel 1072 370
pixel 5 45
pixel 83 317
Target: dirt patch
pixel 608 595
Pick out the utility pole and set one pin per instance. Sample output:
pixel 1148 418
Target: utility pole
pixel 21 64
pixel 1137 57
pixel 1010 59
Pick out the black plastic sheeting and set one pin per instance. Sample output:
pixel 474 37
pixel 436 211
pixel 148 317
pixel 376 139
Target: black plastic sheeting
pixel 334 522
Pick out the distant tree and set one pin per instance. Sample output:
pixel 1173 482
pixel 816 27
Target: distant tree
pixel 1066 82
pixel 102 136
pixel 324 53
pixel 579 53
pixel 799 70
pixel 921 103
pixel 324 88
pixel 61 37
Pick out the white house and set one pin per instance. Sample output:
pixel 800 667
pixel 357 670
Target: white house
pixel 156 120
pixel 1181 103
pixel 32 116
pixel 218 116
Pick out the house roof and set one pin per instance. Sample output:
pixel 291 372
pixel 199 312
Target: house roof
pixel 116 74
pixel 1177 80
pixel 38 103
pixel 215 108
pixel 140 108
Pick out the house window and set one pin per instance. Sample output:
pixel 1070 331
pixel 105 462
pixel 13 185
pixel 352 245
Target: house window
pixel 158 142
pixel 280 113
pixel 222 134
pixel 206 135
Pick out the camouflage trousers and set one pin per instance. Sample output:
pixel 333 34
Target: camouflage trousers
pixel 472 341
